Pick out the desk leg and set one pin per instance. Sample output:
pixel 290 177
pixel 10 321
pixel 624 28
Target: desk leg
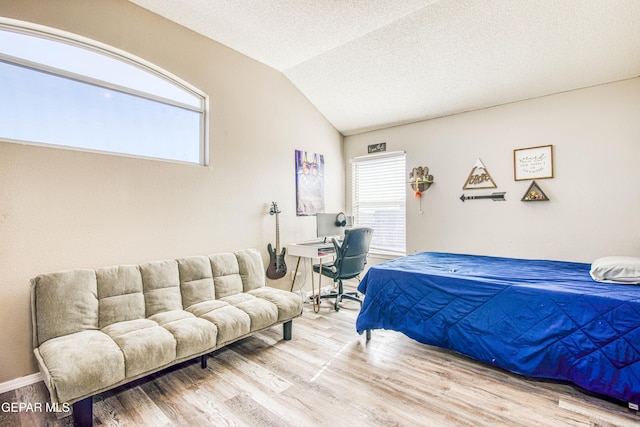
pixel 316 305
pixel 295 274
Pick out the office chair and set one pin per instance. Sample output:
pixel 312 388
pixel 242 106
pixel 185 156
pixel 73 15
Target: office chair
pixel 351 257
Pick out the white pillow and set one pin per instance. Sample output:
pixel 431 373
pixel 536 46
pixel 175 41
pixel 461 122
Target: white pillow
pixel 616 269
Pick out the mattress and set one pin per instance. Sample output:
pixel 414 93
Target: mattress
pixel 540 318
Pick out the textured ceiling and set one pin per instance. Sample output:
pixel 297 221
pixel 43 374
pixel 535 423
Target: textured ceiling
pixel 369 64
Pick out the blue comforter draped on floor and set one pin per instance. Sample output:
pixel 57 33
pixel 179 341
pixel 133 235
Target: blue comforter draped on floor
pixel 545 319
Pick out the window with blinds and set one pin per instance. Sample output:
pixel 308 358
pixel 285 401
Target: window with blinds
pixel 379 199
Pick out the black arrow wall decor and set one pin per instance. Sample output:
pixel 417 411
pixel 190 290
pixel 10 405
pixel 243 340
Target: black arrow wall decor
pixel 496 197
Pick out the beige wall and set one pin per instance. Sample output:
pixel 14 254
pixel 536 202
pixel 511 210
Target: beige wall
pixel 63 209
pixel 594 196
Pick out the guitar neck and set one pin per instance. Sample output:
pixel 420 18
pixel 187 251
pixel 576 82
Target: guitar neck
pixel 277 234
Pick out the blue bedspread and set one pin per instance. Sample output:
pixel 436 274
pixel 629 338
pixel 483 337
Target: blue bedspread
pixel 545 319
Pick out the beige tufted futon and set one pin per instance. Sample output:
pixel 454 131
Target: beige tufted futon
pixel 94 330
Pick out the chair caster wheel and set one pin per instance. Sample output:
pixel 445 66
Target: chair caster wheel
pixel 336 307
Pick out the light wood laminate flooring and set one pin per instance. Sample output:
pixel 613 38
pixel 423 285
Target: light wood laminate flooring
pixel 328 375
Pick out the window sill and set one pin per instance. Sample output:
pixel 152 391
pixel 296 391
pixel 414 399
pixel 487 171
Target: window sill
pixel 386 255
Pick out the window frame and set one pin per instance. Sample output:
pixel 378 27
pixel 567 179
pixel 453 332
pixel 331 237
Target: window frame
pixel 401 199
pixel 115 54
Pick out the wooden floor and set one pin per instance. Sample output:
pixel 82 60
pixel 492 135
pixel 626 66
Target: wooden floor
pixel 328 375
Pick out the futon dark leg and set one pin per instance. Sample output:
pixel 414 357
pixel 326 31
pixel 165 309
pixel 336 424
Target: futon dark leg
pixel 287 328
pixel 83 412
pixel 203 361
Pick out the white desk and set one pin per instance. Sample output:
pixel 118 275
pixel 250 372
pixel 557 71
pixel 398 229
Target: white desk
pixel 312 250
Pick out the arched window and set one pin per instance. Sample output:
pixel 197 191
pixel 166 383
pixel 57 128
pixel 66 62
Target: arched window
pixel 63 90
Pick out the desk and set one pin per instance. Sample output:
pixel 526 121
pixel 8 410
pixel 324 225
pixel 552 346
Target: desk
pixel 312 250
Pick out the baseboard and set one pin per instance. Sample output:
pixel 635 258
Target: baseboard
pixel 20 382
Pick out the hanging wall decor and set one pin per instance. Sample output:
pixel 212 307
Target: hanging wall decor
pixel 380 147
pixel 533 163
pixel 479 177
pixel 420 180
pixel 309 183
pixel 496 197
pixel 534 194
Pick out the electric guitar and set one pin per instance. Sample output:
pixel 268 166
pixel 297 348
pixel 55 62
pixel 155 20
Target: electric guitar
pixel 277 267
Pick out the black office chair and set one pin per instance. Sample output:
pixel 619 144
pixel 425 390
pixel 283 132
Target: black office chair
pixel 351 257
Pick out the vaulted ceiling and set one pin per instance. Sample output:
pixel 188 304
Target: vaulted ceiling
pixel 370 64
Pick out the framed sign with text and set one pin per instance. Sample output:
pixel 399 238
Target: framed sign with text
pixel 533 163
pixel 377 148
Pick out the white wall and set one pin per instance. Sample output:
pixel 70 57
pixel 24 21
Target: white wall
pixel 594 195
pixel 63 209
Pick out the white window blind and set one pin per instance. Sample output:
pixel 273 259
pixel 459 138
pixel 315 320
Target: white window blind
pixel 379 199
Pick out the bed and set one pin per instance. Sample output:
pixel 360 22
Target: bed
pixel 540 318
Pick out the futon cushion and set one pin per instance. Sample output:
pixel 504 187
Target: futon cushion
pixel 80 363
pixel 261 312
pixel 196 280
pixel 204 307
pixel 232 323
pixel 161 284
pixel 144 344
pixel 251 269
pixel 226 274
pixel 64 303
pixel 120 294
pixel 289 305
pixel 192 335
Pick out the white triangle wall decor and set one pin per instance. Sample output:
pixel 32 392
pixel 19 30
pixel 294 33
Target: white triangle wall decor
pixel 479 177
